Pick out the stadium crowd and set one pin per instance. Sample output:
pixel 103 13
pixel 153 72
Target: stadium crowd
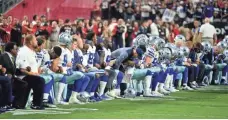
pixel 137 53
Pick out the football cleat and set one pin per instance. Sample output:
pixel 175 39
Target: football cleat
pixel 62 103
pixel 186 88
pixel 157 94
pixel 74 100
pixel 163 91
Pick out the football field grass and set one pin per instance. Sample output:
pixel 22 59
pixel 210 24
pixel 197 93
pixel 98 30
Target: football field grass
pixel 208 102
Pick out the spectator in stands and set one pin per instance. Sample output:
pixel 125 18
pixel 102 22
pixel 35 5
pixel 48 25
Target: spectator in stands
pixel 225 12
pixel 16 32
pixel 153 29
pixel 35 19
pixel 43 20
pixel 54 35
pixel 198 14
pixel 67 27
pixel 10 20
pixel 144 27
pixel 209 10
pixel 217 14
pixel 26 62
pixel 105 9
pixel 137 13
pixel 129 11
pixel 96 9
pixel 145 10
pixel 5 31
pixel 208 32
pixel 195 31
pixel 181 11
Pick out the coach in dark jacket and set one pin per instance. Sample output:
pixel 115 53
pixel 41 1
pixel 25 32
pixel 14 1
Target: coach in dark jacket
pixel 19 86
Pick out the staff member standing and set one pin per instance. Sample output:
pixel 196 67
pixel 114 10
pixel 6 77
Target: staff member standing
pixel 208 32
pixel 26 62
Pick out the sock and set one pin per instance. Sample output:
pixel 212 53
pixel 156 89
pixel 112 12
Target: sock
pixel 120 77
pixel 179 83
pixel 61 87
pixel 147 82
pixel 161 85
pixel 185 76
pixel 167 81
pixel 102 87
pixel 74 94
pixel 155 82
pixel 123 87
pixel 171 81
pixel 138 86
pixel 156 87
pixel 65 90
pixel 45 98
pixel 85 83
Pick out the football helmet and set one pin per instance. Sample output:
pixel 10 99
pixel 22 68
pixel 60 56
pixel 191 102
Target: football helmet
pixel 65 39
pixel 165 53
pixel 84 97
pixel 225 52
pixel 173 49
pixel 185 50
pixel 157 42
pixel 179 38
pixel 226 40
pixel 140 40
pixel 130 93
pixel 206 46
pixel 222 44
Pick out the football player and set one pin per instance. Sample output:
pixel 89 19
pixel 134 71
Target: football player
pixel 48 61
pixel 92 62
pixel 182 64
pixel 75 78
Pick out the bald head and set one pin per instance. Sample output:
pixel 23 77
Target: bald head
pixel 207 20
pixel 30 41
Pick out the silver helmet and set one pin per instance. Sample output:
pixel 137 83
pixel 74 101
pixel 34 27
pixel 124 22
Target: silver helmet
pixel 225 52
pixel 226 40
pixel 179 53
pixel 206 46
pixel 222 44
pixel 179 38
pixel 141 40
pixel 151 39
pixel 159 43
pixel 185 50
pixel 165 53
pixel 173 48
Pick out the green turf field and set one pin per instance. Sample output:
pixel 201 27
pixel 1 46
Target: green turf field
pixel 209 102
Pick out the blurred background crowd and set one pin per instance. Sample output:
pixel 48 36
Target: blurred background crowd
pixel 121 20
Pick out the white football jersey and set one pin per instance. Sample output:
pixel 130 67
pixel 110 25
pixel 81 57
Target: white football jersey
pixel 44 61
pixel 107 57
pixel 89 57
pixel 80 54
pixel 65 58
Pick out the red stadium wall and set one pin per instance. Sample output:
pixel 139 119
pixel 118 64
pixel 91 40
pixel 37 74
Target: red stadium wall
pixel 63 9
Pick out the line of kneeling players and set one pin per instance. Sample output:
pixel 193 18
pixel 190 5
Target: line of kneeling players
pixel 151 68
